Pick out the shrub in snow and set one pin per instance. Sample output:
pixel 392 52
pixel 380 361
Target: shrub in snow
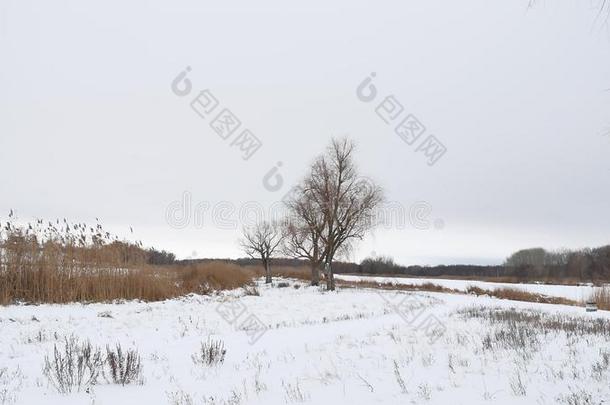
pixel 11 383
pixel 517 385
pixel 251 290
pixel 105 314
pixel 576 397
pixel 294 392
pixel 74 366
pixel 399 379
pixel 123 367
pixel 211 353
pixel 180 398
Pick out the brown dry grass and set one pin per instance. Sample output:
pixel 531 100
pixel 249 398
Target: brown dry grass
pixel 214 276
pixel 148 283
pixel 520 295
pixel 602 298
pixel 502 293
pixel 74 263
pixel 400 287
pixel 300 273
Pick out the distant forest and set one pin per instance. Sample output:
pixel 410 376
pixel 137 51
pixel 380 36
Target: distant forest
pixel 528 265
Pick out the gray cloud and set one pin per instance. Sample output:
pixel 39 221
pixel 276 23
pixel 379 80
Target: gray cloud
pixel 89 126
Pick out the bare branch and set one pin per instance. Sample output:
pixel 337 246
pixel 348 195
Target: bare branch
pixel 262 241
pixel 334 207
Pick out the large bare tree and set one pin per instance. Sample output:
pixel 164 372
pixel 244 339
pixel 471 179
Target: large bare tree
pixel 303 233
pixel 343 204
pixel 261 241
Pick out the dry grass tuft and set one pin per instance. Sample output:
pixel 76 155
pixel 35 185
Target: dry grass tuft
pixel 211 353
pixel 124 367
pixel 73 367
pixel 602 298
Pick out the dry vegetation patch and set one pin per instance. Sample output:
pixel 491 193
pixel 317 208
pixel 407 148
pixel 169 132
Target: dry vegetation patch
pixel 541 321
pixel 520 295
pixel 63 262
pixel 211 353
pixel 399 287
pixel 502 293
pixel 602 298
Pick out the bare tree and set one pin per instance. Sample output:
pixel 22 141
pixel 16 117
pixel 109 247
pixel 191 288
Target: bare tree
pixel 303 234
pixel 344 202
pixel 262 241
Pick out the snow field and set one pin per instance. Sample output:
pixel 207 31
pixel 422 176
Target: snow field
pixel 347 347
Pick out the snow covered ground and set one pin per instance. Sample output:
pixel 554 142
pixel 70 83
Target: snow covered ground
pixel 576 293
pixel 353 346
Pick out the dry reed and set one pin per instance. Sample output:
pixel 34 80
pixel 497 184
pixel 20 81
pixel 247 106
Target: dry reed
pixel 60 262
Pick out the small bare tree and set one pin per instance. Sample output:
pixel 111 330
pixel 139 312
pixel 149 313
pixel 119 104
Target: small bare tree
pixel 261 241
pixel 341 203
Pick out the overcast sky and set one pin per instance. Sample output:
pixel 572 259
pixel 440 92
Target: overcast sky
pixel 90 126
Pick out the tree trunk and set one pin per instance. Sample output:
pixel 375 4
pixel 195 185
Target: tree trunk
pixel 315 274
pixel 330 279
pixel 267 273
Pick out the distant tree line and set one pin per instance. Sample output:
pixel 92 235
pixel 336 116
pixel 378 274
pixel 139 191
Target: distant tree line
pixel 384 265
pixel 160 256
pixel 584 265
pixel 536 264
